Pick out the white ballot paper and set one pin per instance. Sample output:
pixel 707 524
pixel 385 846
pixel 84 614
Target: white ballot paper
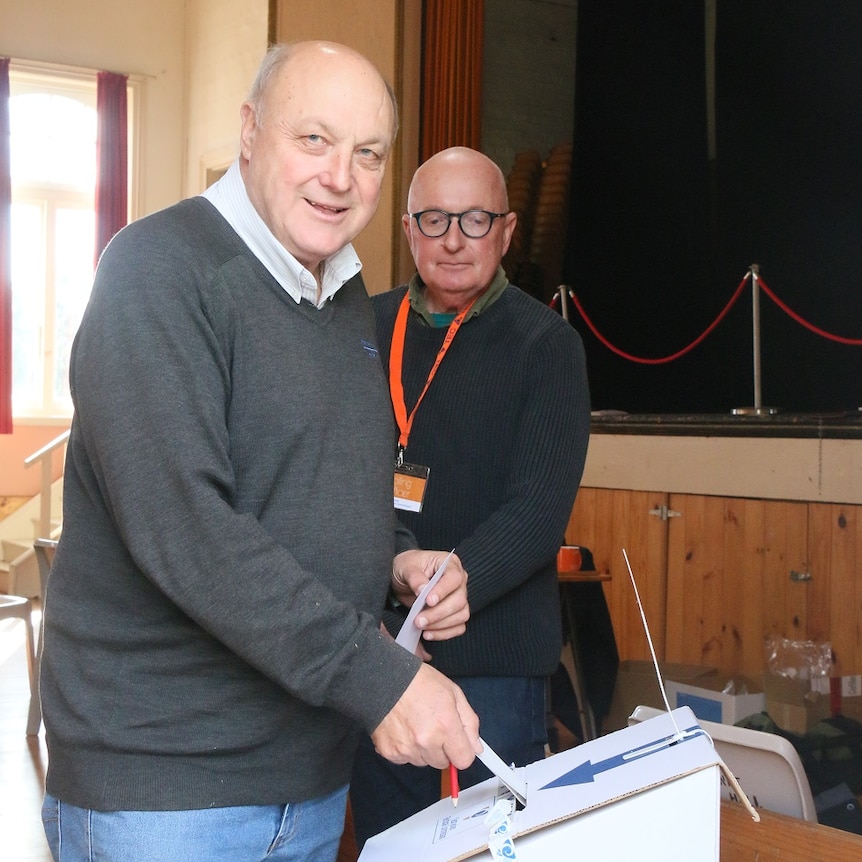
pixel 408 635
pixel 505 773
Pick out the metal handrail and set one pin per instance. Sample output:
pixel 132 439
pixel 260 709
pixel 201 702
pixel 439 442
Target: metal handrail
pixel 44 456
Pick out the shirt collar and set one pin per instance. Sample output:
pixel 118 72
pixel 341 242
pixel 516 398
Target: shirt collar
pixel 229 196
pixel 416 289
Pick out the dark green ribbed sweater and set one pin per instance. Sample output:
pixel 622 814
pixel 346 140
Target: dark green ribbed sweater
pixel 504 428
pixel 211 620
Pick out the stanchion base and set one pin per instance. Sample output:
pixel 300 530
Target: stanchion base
pixel 755 411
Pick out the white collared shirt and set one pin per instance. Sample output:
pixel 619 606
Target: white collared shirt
pixel 229 196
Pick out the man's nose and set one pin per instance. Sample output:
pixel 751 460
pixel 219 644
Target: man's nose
pixel 454 237
pixel 337 172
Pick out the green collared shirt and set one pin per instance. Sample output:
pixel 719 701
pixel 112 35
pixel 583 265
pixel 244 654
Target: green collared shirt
pixel 416 291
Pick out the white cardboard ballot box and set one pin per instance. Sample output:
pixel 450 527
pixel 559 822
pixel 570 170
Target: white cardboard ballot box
pixel 647 792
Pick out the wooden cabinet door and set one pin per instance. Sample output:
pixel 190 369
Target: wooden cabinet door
pixel 835 569
pixel 606 521
pixel 729 581
pixel 725 573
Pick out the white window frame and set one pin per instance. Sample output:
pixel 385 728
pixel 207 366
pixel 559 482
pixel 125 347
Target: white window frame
pixel 35 77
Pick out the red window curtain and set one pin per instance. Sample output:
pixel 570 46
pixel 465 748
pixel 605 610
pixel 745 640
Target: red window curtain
pixel 111 153
pixel 5 254
pixel 451 75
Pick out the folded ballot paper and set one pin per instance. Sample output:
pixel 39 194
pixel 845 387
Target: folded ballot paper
pixel 409 634
pixel 646 792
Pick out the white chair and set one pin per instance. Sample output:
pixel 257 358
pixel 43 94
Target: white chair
pixel 17 607
pixel 766 765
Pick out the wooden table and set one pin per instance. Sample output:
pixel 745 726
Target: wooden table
pixel 778 838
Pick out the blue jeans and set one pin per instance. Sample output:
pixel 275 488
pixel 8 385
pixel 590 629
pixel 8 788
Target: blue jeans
pixel 299 832
pixel 513 721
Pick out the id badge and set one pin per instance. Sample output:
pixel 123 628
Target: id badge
pixel 410 482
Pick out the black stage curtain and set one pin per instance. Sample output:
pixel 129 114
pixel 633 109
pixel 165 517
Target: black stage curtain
pixel 661 235
pixel 789 180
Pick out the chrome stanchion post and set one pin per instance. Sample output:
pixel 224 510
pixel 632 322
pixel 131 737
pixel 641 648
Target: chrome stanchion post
pixel 564 309
pixel 758 409
pixel 755 336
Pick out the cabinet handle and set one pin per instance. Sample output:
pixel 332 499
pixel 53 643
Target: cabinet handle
pixel 800 576
pixel 664 513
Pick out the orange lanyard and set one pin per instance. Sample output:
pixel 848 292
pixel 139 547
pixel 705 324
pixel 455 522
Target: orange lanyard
pixel 396 364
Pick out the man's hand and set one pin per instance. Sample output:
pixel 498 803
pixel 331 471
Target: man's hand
pixel 431 725
pixel 446 609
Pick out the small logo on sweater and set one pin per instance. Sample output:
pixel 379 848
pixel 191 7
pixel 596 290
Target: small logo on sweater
pixel 369 348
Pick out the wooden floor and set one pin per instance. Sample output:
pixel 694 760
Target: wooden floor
pixel 23 758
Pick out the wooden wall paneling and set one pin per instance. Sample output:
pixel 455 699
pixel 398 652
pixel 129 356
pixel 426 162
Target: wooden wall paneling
pixel 852 661
pixel 819 567
pixel 757 610
pixel 720 578
pixel 644 536
pixel 729 584
pixel 606 521
pixel 686 555
pixel 761 606
pixel 706 582
pixel 740 611
pixel 785 550
pixel 628 626
pixel 846 556
pixel 835 542
pixel 716 641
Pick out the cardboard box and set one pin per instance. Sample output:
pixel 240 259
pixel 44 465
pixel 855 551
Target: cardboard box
pixel 636 685
pixel 624 793
pixel 709 702
pixel 793 704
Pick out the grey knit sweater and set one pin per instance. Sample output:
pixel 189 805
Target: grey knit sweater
pixel 211 619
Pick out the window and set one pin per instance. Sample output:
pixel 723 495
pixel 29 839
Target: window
pixel 53 160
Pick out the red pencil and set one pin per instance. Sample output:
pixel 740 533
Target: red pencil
pixel 453 784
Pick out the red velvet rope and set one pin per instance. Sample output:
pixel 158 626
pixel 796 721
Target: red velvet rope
pixel 815 329
pixel 659 360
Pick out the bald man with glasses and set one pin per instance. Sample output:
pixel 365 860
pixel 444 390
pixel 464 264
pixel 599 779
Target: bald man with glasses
pixel 491 405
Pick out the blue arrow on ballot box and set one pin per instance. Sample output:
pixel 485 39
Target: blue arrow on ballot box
pixel 586 772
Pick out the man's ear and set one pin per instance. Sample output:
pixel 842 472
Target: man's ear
pixel 248 129
pixel 509 222
pixel 407 225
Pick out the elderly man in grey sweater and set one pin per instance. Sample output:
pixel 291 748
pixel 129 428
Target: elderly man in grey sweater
pixel 212 642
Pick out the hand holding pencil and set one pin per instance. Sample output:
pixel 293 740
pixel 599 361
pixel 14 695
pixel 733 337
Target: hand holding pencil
pixel 430 725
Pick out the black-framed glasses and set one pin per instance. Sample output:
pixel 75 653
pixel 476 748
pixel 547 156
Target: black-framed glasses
pixel 473 223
